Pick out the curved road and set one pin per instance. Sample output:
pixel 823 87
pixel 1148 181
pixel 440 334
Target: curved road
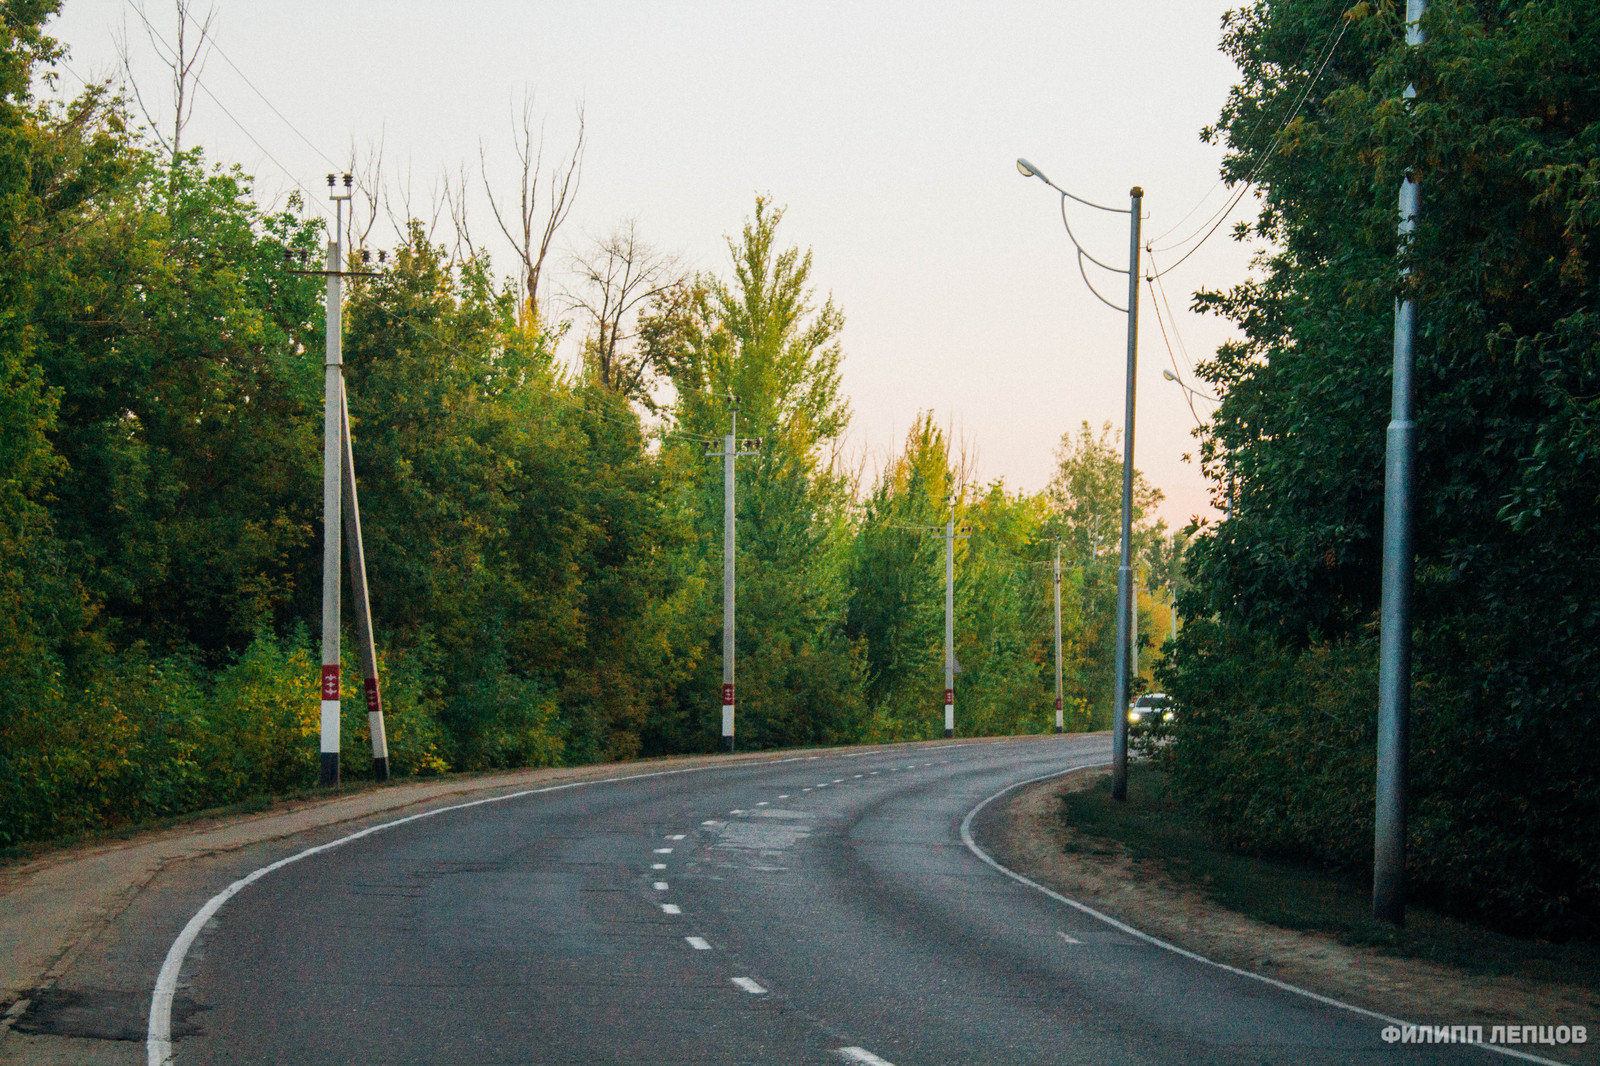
pixel 812 909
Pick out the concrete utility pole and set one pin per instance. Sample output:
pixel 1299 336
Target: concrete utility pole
pixel 332 460
pixel 1056 573
pixel 950 538
pixel 731 450
pixel 1125 604
pixel 339 473
pixel 1394 657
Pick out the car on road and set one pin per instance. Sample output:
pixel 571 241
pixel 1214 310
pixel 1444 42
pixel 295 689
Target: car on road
pixel 1151 708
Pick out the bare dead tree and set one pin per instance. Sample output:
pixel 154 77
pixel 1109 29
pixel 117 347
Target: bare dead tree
pixel 613 279
pixel 367 172
pixel 186 60
pixel 456 201
pixel 401 209
pixel 535 226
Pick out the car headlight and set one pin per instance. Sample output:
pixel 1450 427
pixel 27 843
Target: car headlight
pixel 1168 716
pixel 1134 716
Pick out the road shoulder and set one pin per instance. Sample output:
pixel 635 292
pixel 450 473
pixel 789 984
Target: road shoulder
pixel 1030 838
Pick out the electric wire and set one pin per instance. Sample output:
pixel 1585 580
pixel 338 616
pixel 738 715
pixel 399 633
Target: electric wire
pixel 568 401
pixel 200 84
pixel 1187 399
pixel 1265 156
pixel 184 12
pixel 1172 317
pixel 1216 220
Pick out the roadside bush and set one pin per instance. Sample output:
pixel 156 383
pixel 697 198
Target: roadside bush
pixel 1275 752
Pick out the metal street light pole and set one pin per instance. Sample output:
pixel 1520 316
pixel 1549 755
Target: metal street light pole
pixel 1119 709
pixel 1119 728
pixel 1394 655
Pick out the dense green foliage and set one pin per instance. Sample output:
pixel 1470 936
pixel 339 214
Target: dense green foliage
pixel 544 554
pixel 1280 685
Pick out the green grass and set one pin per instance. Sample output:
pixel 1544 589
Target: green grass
pixel 1152 827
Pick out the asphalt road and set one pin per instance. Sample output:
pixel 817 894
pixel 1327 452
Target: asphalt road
pixel 820 909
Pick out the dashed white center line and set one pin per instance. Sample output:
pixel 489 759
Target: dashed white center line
pixel 661 886
pixel 749 986
pixel 698 943
pixel 670 908
pixel 735 812
pixel 658 866
pixel 871 772
pixel 1069 939
pixel 862 1055
pixel 676 836
pixel 712 822
pixel 805 790
pixel 838 780
pixel 860 775
pixel 663 851
pixel 784 796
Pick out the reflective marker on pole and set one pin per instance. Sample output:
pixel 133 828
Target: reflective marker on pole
pixel 1119 709
pixel 1394 641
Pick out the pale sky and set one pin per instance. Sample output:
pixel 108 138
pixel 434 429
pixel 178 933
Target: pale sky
pixel 889 130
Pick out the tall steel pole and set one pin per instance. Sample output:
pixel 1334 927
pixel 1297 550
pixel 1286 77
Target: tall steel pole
pixel 950 626
pixel 360 601
pixel 1119 709
pixel 729 451
pixel 1399 493
pixel 1056 571
pixel 332 461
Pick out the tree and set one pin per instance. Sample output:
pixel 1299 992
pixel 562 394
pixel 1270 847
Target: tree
pixel 615 278
pixel 1502 135
pixel 760 337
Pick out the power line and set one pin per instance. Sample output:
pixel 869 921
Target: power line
pixel 1170 357
pixel 575 405
pixel 184 13
pixel 199 83
pixel 1249 182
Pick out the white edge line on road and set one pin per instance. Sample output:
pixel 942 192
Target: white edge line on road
pixel 972 846
pixel 861 1055
pixel 158 1035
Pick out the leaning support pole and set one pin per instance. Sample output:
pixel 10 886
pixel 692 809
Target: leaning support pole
pixel 332 449
pixel 1119 708
pixel 1394 654
pixel 363 610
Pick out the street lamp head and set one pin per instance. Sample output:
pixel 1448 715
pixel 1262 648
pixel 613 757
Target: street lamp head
pixel 1170 376
pixel 1028 170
